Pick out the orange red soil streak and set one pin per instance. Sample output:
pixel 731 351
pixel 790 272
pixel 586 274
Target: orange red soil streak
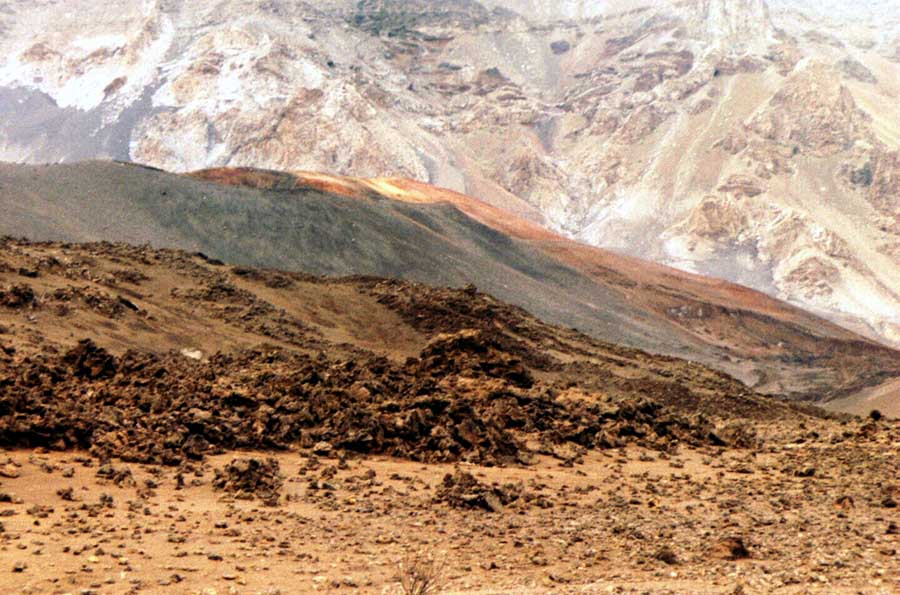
pixel 608 268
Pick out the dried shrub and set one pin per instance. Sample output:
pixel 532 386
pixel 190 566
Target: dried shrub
pixel 422 574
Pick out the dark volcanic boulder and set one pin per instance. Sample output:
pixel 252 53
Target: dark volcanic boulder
pixel 251 478
pixel 86 360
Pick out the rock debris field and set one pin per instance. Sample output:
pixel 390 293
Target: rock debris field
pixel 172 424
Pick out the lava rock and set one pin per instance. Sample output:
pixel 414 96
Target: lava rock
pixel 462 490
pixel 251 478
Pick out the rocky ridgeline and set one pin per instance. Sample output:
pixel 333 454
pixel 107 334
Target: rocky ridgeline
pixel 479 380
pixel 466 399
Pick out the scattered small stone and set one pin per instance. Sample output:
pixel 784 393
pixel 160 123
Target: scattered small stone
pixel 9 471
pixel 120 476
pixel 666 555
pixel 251 478
pixel 461 490
pixel 732 548
pixel 845 502
pixel 322 449
pixel 40 511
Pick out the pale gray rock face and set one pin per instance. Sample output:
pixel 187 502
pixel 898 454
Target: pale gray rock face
pixel 759 142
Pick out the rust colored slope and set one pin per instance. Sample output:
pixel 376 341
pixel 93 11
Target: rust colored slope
pixel 399 189
pixel 654 286
pixel 728 317
pixel 509 224
pixel 262 179
pixel 246 176
pixel 662 289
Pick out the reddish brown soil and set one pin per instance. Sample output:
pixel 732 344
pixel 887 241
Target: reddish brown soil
pixel 629 521
pixel 172 424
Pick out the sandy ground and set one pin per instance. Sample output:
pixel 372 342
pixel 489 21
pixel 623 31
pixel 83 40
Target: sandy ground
pixel 624 521
pixel 885 398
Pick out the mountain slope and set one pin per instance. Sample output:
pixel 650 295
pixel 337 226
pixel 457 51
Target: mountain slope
pixel 403 229
pixel 752 141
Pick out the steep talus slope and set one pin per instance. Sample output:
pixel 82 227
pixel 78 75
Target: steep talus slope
pixel 403 229
pixel 753 141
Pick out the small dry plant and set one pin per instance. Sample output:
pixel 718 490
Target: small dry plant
pixel 421 574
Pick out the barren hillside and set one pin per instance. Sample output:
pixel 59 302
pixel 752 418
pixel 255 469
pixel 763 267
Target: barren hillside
pixel 401 229
pixel 752 141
